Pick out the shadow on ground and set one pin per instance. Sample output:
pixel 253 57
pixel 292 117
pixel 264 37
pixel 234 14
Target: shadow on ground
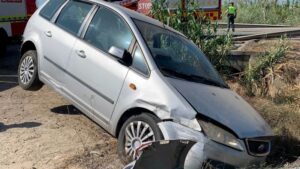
pixel 7 82
pixel 4 127
pixel 9 67
pixel 285 149
pixel 66 109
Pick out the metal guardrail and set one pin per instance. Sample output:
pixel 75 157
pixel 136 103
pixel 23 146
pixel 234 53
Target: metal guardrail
pixel 288 33
pixel 245 25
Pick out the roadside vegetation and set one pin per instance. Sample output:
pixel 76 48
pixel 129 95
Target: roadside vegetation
pixel 198 29
pixel 282 12
pixel 271 81
pixel 259 76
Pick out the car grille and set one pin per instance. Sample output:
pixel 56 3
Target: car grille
pixel 257 147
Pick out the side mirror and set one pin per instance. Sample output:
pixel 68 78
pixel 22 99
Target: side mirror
pixel 116 52
pixel 122 55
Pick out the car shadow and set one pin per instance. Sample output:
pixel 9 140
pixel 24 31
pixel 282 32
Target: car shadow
pixel 66 109
pixel 9 67
pixel 8 81
pixel 4 127
pixel 285 149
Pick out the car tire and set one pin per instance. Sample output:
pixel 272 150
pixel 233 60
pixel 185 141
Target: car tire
pixel 3 42
pixel 28 72
pixel 144 120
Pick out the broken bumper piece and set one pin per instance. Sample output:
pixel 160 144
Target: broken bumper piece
pixel 207 152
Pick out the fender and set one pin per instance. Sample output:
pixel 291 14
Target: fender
pixel 34 38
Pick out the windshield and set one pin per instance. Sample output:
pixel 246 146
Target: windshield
pixel 178 57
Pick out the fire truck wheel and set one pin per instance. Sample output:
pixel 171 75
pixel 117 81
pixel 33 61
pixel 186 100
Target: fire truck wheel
pixel 3 42
pixel 28 71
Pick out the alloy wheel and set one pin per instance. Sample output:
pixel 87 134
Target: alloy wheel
pixel 136 134
pixel 26 70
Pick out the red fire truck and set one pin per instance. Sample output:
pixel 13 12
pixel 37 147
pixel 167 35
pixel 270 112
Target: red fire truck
pixel 13 17
pixel 211 8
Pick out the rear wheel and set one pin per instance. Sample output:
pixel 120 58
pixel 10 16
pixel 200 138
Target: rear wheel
pixel 3 42
pixel 137 130
pixel 28 71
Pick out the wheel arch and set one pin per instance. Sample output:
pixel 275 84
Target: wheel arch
pixel 3 32
pixel 129 113
pixel 26 46
pixel 3 41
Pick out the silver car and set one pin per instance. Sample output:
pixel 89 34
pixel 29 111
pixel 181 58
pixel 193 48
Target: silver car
pixel 141 81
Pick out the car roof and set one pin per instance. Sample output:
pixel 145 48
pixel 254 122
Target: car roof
pixel 135 15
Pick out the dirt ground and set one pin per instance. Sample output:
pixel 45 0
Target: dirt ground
pixel 42 130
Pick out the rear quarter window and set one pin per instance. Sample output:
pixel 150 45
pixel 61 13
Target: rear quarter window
pixel 50 8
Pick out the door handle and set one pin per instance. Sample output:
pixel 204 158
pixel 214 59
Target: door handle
pixel 81 53
pixel 48 33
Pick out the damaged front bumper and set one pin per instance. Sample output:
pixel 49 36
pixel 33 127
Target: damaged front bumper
pixel 207 152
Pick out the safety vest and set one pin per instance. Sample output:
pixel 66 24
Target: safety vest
pixel 231 10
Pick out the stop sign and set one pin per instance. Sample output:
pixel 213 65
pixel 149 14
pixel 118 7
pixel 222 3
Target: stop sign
pixel 144 6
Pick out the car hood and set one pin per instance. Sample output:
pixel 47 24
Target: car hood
pixel 223 106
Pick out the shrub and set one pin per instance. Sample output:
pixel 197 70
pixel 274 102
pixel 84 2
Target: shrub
pixel 260 74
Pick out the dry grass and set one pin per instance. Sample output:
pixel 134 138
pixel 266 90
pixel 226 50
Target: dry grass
pixel 284 118
pixel 266 12
pixel 281 108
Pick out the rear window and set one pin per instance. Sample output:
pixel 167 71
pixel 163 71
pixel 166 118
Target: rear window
pixel 50 8
pixel 73 15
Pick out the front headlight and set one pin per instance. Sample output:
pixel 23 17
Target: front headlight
pixel 220 135
pixel 193 124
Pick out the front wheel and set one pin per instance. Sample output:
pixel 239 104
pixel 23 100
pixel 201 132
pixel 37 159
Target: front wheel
pixel 137 130
pixel 28 71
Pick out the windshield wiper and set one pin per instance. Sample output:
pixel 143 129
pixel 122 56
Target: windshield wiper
pixel 171 73
pixel 191 77
pixel 205 80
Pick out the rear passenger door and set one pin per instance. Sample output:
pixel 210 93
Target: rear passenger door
pixel 97 77
pixel 58 35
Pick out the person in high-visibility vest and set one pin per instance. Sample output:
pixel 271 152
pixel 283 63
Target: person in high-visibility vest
pixel 231 15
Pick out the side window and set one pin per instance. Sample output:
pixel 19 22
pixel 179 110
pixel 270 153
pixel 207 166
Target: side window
pixel 72 16
pixel 139 62
pixel 50 8
pixel 108 29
